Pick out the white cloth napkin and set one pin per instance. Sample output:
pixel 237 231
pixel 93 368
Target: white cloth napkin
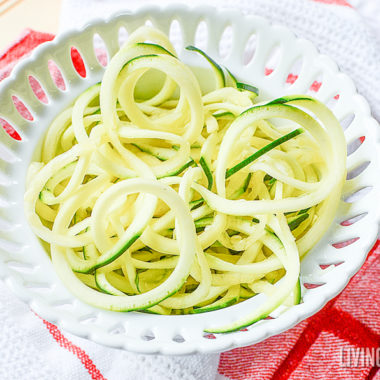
pixel 31 349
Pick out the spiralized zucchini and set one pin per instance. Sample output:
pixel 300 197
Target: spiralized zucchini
pixel 155 197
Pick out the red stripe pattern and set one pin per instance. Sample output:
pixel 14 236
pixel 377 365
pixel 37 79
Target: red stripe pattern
pixel 335 2
pixel 77 351
pixel 26 43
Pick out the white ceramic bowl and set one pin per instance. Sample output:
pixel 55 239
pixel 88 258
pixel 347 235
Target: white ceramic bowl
pixel 26 268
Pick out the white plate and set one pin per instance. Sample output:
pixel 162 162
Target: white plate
pixel 26 268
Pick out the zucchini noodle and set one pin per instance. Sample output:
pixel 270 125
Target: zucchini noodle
pixel 156 197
